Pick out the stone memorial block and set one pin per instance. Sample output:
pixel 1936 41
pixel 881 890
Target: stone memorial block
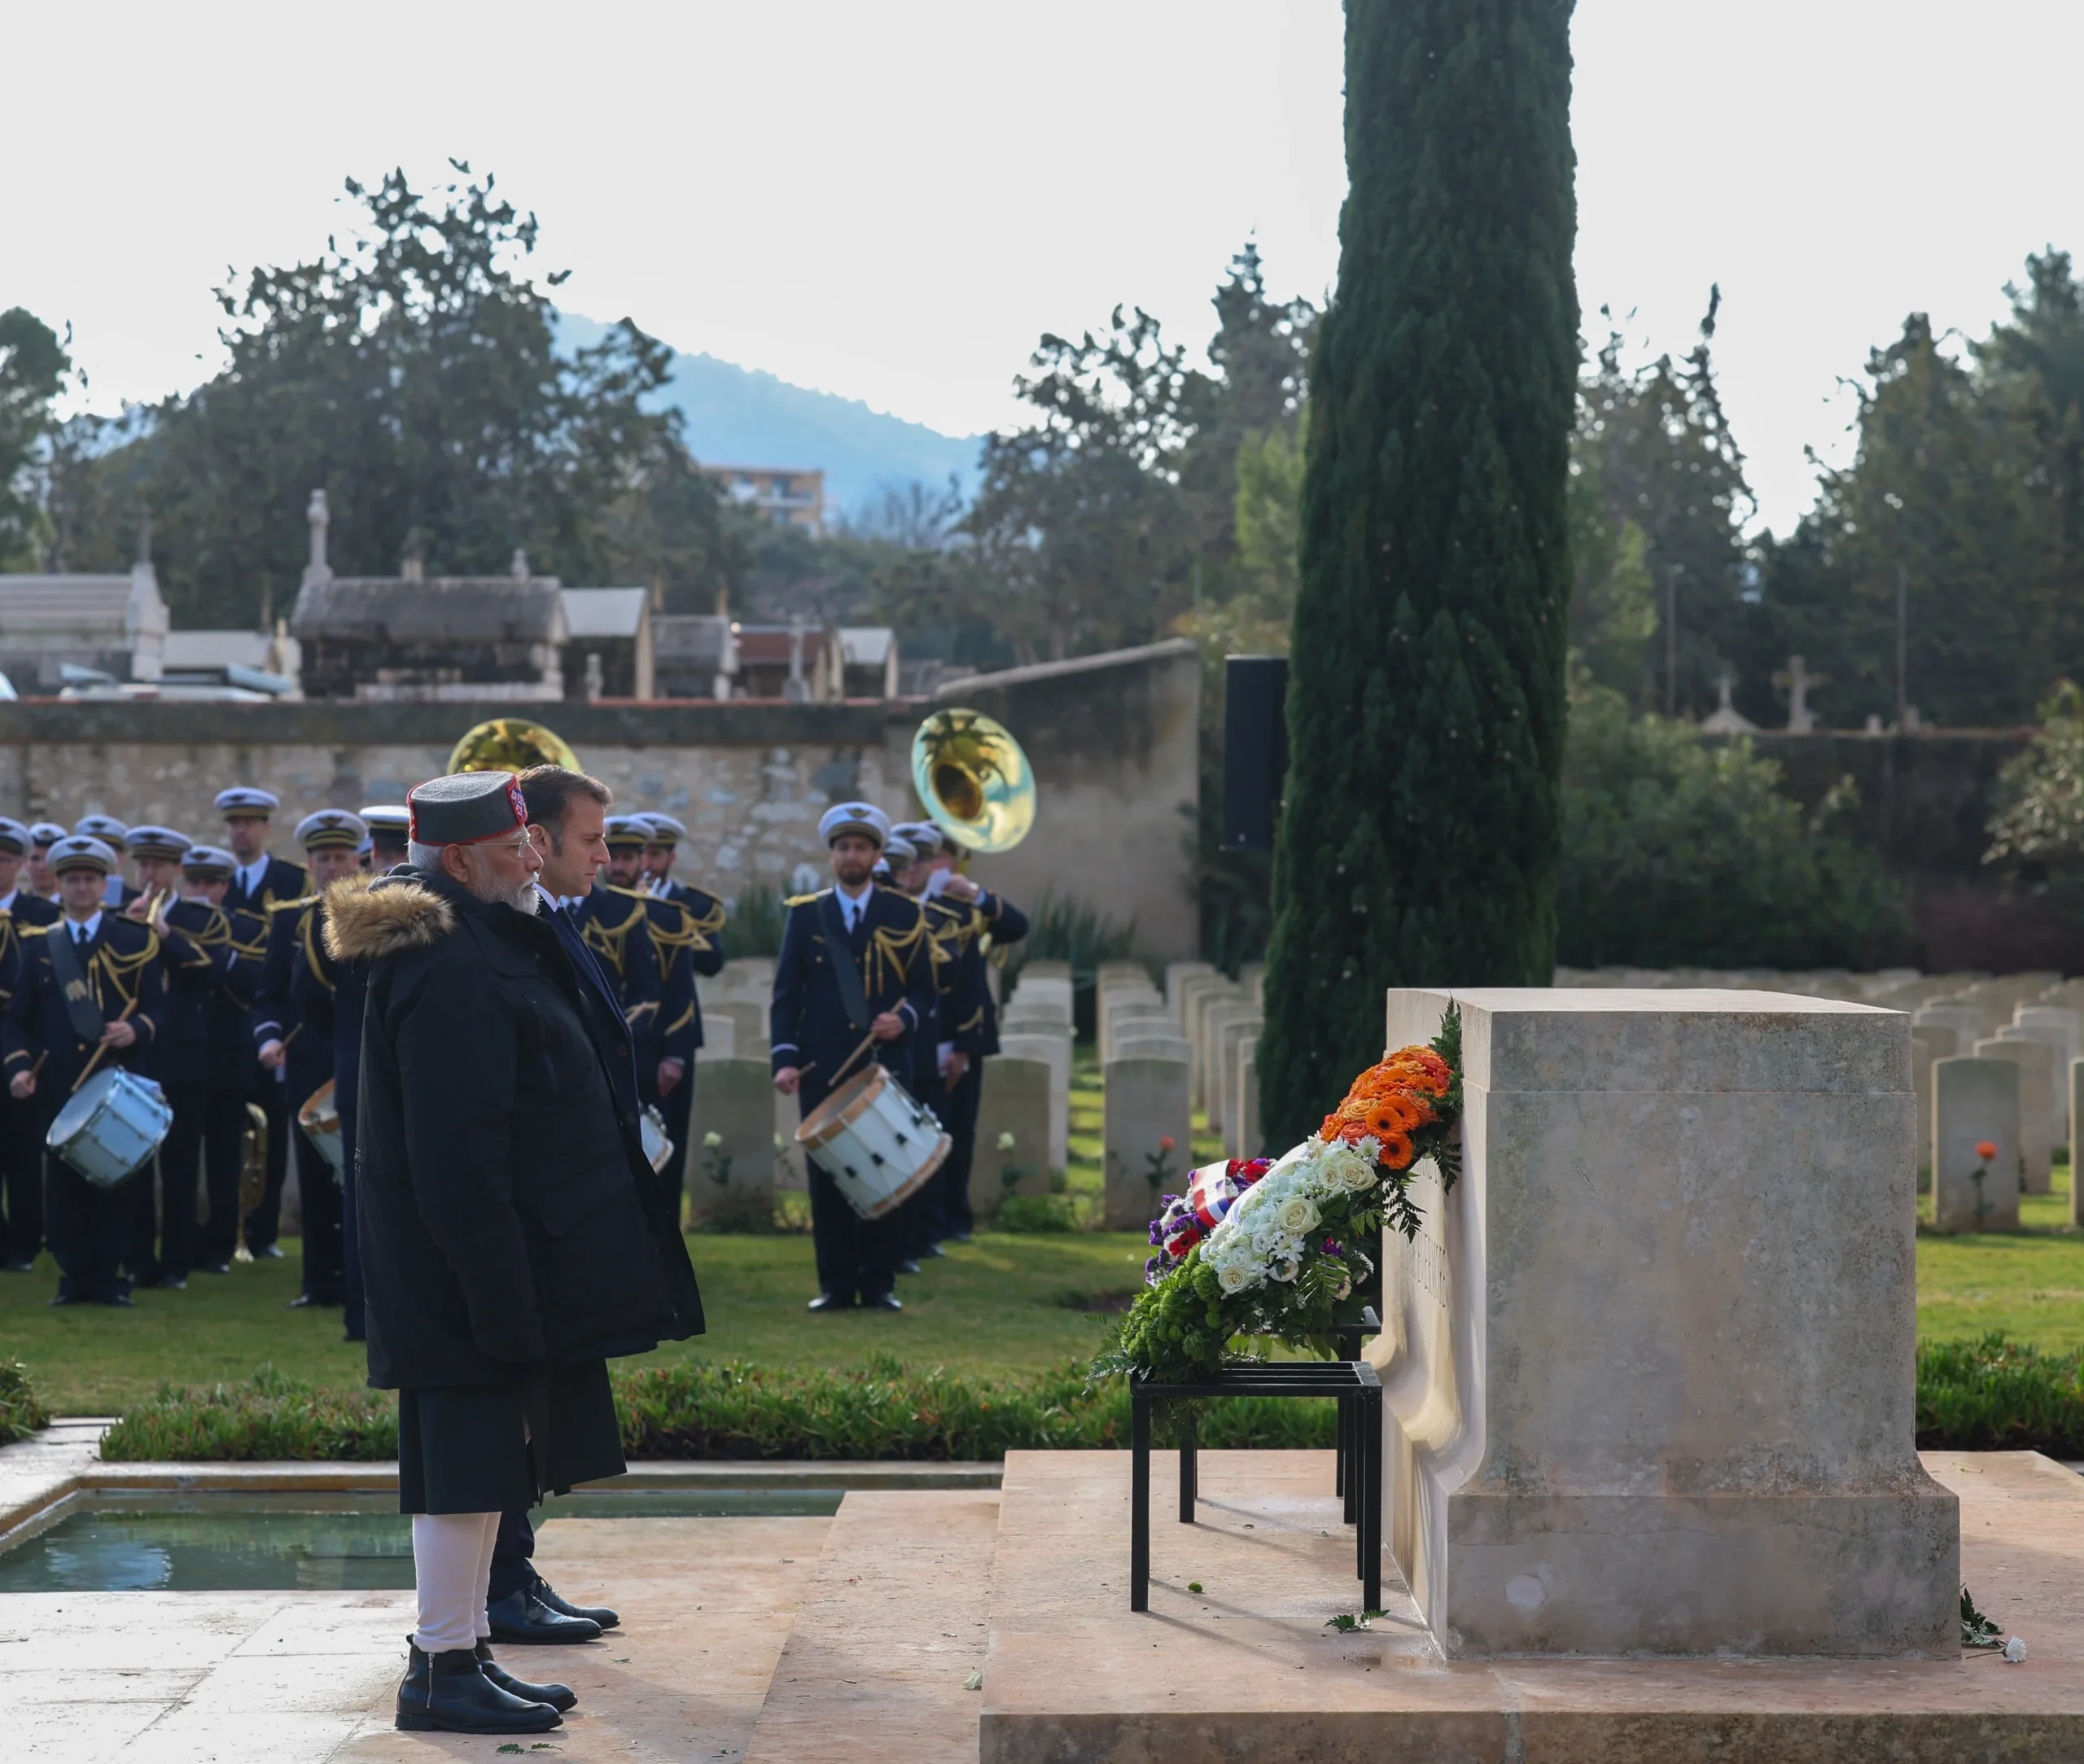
pixel 1146 1103
pixel 1054 1051
pixel 1154 1046
pixel 1045 967
pixel 1216 1020
pixel 1137 1017
pixel 2057 1039
pixel 1015 1101
pixel 1193 990
pixel 719 1038
pixel 1252 978
pixel 2068 1020
pixel 1116 1002
pixel 1975 1101
pixel 748 1019
pixel 2036 1061
pixel 1649 1369
pixel 1928 1042
pixel 732 1183
pixel 1966 1021
pixel 1176 972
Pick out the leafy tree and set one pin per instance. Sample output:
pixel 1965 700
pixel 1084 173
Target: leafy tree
pixel 1659 503
pixel 1681 853
pixel 1422 824
pixel 33 364
pixel 2037 832
pixel 412 373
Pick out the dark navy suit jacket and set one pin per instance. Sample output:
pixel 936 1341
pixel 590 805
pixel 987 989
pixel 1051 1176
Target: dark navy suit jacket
pixel 609 1027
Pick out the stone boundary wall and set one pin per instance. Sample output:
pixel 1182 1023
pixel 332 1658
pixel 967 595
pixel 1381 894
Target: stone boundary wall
pixel 1111 738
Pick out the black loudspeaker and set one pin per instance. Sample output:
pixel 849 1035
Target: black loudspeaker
pixel 1255 749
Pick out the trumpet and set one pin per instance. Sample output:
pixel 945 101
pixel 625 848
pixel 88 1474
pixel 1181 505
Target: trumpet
pixel 149 907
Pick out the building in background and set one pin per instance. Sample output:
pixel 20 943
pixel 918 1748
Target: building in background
pixel 465 639
pixel 608 651
pixel 793 496
pixel 59 631
pixel 694 656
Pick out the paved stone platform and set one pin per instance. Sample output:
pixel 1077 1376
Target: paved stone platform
pixel 1247 1669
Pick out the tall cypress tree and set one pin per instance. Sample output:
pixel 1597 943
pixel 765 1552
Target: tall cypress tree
pixel 1425 703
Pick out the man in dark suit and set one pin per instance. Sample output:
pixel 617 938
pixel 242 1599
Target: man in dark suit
pixel 108 973
pixel 260 881
pixel 21 1154
pixel 283 1038
pixel 820 1017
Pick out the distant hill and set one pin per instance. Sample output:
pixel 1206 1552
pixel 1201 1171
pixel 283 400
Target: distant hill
pixel 742 416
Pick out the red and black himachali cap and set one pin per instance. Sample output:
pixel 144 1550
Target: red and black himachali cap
pixel 466 808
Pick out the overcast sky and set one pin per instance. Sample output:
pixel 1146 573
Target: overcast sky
pixel 891 201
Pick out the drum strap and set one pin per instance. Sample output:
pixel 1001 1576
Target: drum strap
pixel 853 997
pixel 81 1004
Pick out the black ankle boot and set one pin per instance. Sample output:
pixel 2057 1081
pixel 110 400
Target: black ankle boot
pixel 559 1697
pixel 448 1692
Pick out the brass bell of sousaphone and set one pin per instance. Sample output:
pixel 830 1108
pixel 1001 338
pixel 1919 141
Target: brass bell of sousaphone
pixel 511 744
pixel 977 784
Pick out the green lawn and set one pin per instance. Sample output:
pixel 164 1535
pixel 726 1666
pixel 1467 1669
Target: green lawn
pixel 1005 1303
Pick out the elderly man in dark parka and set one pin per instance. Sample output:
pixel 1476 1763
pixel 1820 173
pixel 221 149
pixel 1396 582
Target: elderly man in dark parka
pixel 512 1236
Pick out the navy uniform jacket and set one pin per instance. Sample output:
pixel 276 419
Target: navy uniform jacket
pixel 611 1030
pixel 705 919
pixel 616 924
pixel 677 1030
pixel 971 1020
pixel 281 881
pixel 293 932
pixel 328 996
pixel 809 1025
pixel 29 911
pixel 211 959
pixel 122 968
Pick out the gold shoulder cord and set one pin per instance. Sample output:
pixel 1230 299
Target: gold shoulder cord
pixel 309 932
pixel 895 951
pixel 122 972
pixel 608 942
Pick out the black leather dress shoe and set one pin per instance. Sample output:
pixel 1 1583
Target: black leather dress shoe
pixel 883 1302
pixel 448 1692
pixel 934 1248
pixel 173 1283
pixel 215 1267
pixel 832 1302
pixel 521 1617
pixel 958 1237
pixel 908 1266
pixel 592 1613
pixel 559 1697
pixel 269 1252
pixel 120 1300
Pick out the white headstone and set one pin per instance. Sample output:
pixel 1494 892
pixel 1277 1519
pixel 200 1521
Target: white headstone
pixel 1053 1051
pixel 732 1182
pixel 1012 1151
pixel 1975 1102
pixel 2036 1061
pixel 1928 1042
pixel 1146 1106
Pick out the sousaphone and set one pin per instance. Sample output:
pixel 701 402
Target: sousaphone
pixel 511 744
pixel 976 783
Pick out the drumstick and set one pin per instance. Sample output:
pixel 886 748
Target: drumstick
pixel 103 1049
pixel 866 1041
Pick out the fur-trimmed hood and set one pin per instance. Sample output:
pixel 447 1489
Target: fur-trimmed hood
pixel 367 917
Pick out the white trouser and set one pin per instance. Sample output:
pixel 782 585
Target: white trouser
pixel 451 1571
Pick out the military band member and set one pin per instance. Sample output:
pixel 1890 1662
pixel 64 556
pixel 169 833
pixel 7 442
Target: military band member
pixel 705 923
pixel 42 883
pixel 211 1119
pixel 116 892
pixel 616 924
pixel 201 1058
pixel 286 1040
pixel 854 964
pixel 90 992
pixel 21 1155
pixel 259 881
pixel 386 823
pixel 987 922
pixel 666 1048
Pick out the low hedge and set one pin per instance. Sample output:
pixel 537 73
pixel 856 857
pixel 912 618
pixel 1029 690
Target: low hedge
pixel 1991 1395
pixel 690 1409
pixel 2000 1395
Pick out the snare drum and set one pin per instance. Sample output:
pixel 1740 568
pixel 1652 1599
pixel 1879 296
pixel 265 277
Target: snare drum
pixel 321 1122
pixel 875 1141
pixel 109 1126
pixel 657 1144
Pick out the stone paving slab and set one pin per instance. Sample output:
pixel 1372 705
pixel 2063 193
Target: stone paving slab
pixel 891 1627
pixel 1248 1669
pixel 299 1677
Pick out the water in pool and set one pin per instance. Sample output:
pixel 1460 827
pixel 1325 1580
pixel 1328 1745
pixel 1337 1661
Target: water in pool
pixel 241 1542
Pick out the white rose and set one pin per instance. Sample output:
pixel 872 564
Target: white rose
pixel 712 1141
pixel 1234 1277
pixel 1298 1215
pixel 1357 1175
pixel 1005 1142
pixel 1285 1270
